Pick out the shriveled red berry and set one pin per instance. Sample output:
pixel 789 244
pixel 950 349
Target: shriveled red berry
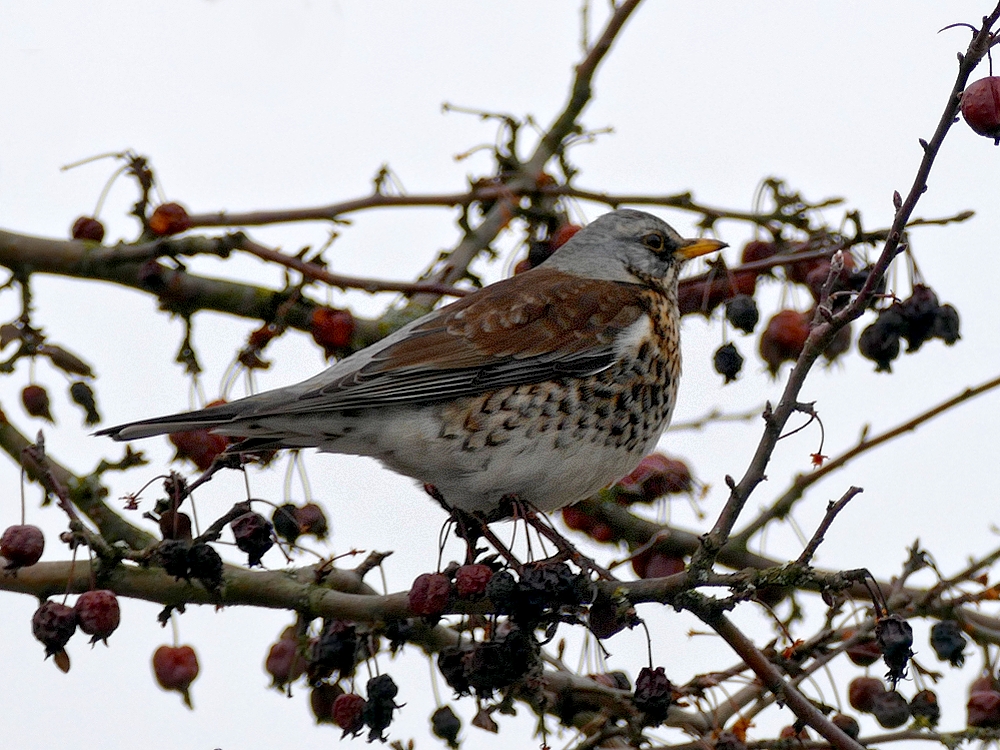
pixel 981 107
pixel 653 695
pixel 757 250
pixel 21 546
pixel 471 580
pixel 984 683
pixel 784 338
pixel 201 447
pixel 168 219
pixel 521 266
pixel 791 733
pixel 864 653
pixel 284 661
pixel 847 724
pixel 661 565
pixel 862 691
pixel 331 329
pixel 655 476
pixel 53 624
pixel 563 234
pixel 349 713
pixel 983 709
pixel 88 228
pixel 602 532
pixel 175 668
pixel 36 402
pixel 312 520
pixel 321 700
pixel 253 535
pixel 175 525
pixel 98 614
pixel 429 594
pixel 577 519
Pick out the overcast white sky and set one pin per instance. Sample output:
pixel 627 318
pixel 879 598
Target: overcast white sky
pixel 270 105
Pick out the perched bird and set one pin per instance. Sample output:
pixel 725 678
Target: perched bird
pixel 544 387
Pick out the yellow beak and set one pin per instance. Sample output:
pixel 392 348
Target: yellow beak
pixel 694 248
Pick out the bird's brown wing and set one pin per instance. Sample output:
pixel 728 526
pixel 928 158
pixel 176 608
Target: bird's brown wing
pixel 526 329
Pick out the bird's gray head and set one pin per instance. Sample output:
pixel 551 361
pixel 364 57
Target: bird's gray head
pixel 630 246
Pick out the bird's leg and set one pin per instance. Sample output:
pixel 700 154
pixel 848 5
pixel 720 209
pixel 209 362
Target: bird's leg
pixel 540 523
pixel 471 528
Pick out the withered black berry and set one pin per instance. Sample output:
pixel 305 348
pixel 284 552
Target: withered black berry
pixel 253 536
pixel 946 325
pixel 728 361
pixel 334 651
pixel 502 592
pixel 451 664
pixel 53 624
pixel 948 642
pixel 285 524
pixel 381 703
pixel 890 709
pixel 172 554
pixel 653 695
pixel 83 395
pixel 742 312
pixel 879 342
pixel 446 725
pixel 919 312
pixel 205 564
pixel 895 637
pixel 924 707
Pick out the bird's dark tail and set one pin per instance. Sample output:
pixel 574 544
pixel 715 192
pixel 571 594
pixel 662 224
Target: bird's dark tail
pixel 212 417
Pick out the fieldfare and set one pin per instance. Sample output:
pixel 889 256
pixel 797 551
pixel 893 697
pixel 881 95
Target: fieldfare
pixel 544 387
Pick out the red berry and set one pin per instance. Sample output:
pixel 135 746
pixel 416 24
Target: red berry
pixel 88 228
pixel 349 713
pixel 169 218
pixel 429 594
pixel 576 519
pixel 201 447
pixel 22 546
pixel 847 724
pixel 331 329
pixel 601 532
pixel 655 476
pixel 862 692
pixel 312 520
pixel 471 580
pixel 176 667
pixel 175 525
pixel 784 338
pixel 865 653
pixel 284 661
pixel 661 565
pixel 321 701
pixel 98 614
pixel 522 265
pixel 563 235
pixel 983 684
pixel 36 402
pixel 791 733
pixel 983 709
pixel 981 107
pixel 757 250
pixel 53 624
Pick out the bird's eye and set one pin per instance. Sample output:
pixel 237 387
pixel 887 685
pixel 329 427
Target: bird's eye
pixel 654 241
